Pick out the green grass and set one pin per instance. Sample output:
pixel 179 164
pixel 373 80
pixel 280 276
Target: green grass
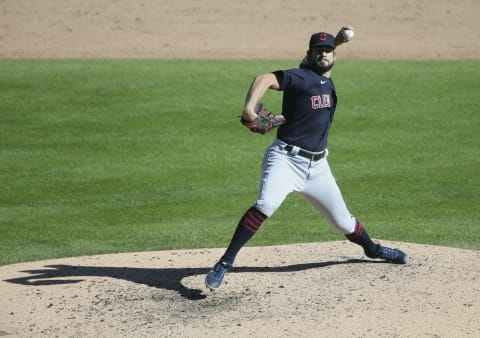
pixel 102 156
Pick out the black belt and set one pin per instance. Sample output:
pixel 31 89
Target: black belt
pixel 311 156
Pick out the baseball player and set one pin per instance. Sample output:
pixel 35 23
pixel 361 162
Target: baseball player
pixel 297 159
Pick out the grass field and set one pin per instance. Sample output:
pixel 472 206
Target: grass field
pixel 101 156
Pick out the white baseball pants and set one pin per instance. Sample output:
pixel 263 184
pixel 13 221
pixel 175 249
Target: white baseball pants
pixel 284 172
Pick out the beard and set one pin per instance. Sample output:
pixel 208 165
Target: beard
pixel 318 66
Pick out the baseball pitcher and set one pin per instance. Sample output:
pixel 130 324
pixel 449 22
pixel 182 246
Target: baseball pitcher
pixel 296 161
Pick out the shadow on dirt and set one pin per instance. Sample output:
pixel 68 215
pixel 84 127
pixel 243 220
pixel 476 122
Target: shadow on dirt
pixel 163 278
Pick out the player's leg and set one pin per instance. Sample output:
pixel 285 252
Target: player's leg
pixel 360 236
pixel 275 168
pixel 246 228
pixel 323 193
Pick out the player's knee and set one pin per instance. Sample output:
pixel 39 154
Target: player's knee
pixel 266 208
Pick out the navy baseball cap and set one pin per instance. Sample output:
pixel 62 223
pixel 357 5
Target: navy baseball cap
pixel 322 39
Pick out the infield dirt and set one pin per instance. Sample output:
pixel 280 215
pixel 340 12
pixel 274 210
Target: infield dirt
pixel 308 290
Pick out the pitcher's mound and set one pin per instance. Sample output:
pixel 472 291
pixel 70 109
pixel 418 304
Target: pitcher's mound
pixel 306 290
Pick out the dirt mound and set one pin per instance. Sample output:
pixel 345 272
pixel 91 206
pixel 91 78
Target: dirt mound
pixel 306 290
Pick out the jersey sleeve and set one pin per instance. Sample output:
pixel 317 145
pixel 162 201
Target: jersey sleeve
pixel 291 79
pixel 279 75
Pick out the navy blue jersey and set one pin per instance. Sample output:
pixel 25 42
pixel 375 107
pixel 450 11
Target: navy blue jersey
pixel 309 102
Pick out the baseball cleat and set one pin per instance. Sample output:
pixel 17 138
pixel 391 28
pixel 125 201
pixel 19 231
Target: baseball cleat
pixel 214 278
pixel 392 255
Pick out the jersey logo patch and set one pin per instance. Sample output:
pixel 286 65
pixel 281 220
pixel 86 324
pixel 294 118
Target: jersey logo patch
pixel 321 101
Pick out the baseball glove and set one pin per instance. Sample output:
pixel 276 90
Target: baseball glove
pixel 265 120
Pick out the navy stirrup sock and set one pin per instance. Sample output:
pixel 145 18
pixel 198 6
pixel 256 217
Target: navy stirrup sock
pixel 361 237
pixel 246 228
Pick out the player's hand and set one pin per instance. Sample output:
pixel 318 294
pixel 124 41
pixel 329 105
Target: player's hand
pixel 342 38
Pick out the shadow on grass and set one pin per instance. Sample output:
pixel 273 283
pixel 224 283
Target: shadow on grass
pixel 162 278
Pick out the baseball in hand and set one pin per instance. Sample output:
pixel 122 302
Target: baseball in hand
pixel 348 34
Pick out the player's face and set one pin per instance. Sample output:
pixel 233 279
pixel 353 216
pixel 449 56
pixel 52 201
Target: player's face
pixel 324 55
pixel 322 58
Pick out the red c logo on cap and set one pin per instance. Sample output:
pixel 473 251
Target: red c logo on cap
pixel 323 36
